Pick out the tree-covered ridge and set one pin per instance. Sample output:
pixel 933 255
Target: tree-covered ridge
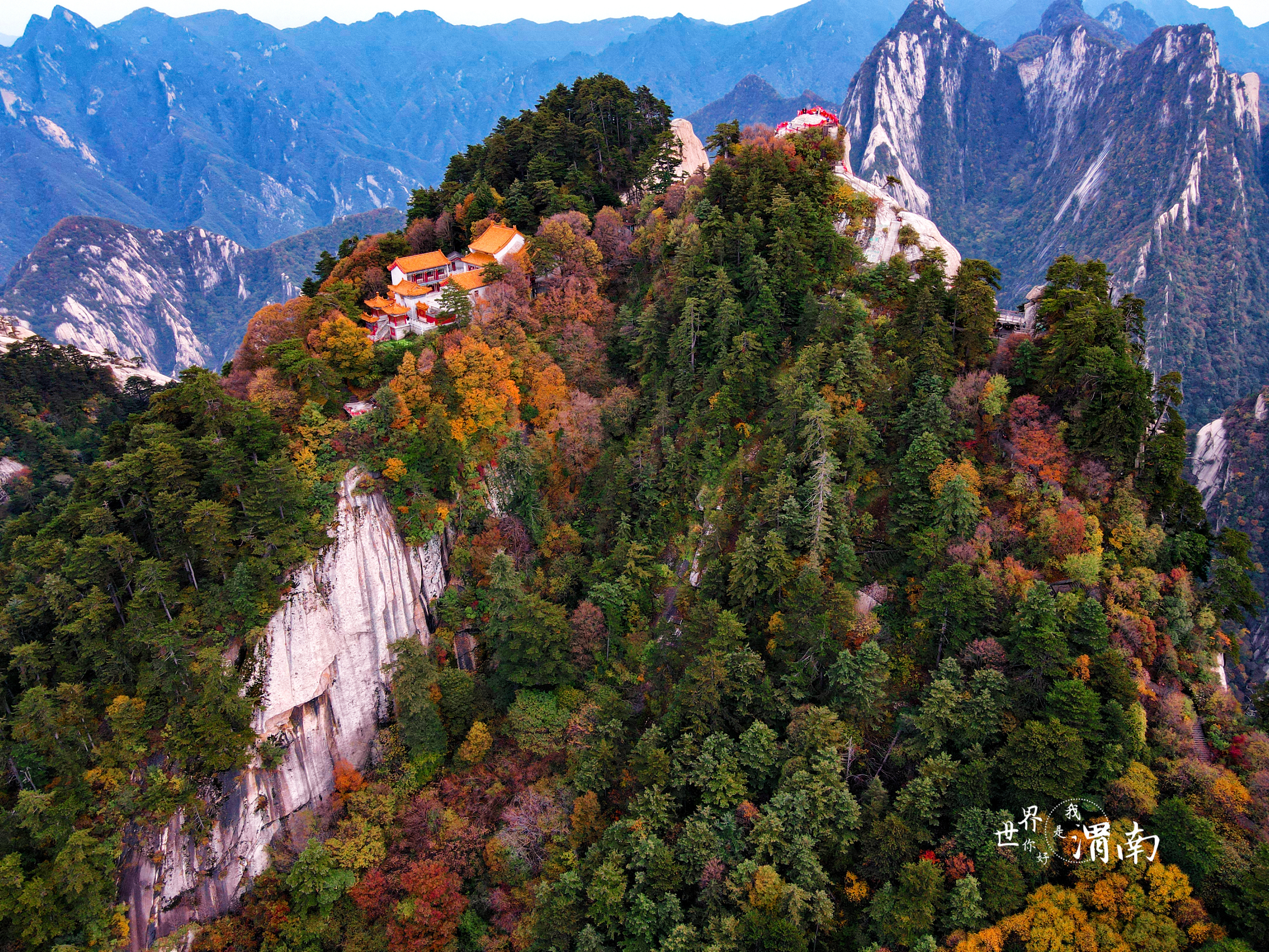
pixel 581 148
pixel 802 585
pixel 56 404
pixel 799 585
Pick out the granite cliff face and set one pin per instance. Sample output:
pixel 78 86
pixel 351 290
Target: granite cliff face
pixel 1149 158
pixel 325 698
pixel 1230 466
pixel 879 238
pixel 692 151
pixel 171 299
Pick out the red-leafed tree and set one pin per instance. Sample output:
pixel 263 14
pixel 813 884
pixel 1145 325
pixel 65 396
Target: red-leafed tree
pixel 373 895
pixel 1035 446
pixel 427 919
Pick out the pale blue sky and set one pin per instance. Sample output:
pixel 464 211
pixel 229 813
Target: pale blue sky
pixel 283 13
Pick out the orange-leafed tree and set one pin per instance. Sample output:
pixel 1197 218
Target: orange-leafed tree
pixel 272 324
pixel 412 387
pixel 548 393
pixel 1121 906
pixel 1035 446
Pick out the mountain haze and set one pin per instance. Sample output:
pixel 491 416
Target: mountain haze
pixel 223 122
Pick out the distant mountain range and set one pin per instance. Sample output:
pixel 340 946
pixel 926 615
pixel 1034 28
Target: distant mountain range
pixel 754 100
pixel 1150 158
pixel 1242 47
pixel 223 122
pixel 226 123
pixel 173 299
pixel 231 134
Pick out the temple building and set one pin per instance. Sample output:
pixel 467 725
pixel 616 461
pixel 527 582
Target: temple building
pixel 427 270
pixel 498 242
pixel 419 280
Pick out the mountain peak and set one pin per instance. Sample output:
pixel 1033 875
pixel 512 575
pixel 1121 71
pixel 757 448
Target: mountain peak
pixel 923 15
pixel 1132 24
pixel 753 84
pixel 1064 14
pixel 63 27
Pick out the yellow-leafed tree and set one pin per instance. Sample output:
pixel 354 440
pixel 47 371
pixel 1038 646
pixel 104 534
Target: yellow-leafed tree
pixel 344 346
pixel 487 396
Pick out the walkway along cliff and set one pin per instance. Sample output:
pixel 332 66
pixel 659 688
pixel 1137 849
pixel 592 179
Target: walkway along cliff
pixel 325 698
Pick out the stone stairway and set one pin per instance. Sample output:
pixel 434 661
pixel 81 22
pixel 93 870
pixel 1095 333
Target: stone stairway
pixel 1201 748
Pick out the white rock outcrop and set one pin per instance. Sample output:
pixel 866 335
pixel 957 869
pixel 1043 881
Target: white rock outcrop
pixel 325 697
pixel 879 238
pixel 10 469
pixel 1211 454
pixel 694 157
pixel 13 331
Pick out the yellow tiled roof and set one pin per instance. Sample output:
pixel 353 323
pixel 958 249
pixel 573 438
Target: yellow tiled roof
pixel 479 259
pixel 378 302
pixel 391 310
pixel 495 238
pixel 407 289
pixel 468 280
pixel 412 263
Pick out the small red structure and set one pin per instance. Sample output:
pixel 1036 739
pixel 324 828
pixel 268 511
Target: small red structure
pixel 811 118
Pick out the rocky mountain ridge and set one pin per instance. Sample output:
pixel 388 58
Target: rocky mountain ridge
pixel 170 299
pixel 1149 158
pixel 1246 47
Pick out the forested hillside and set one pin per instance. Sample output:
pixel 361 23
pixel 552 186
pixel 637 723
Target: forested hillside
pixel 778 587
pixel 56 405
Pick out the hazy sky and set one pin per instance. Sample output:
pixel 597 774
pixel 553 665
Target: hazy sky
pixel 282 13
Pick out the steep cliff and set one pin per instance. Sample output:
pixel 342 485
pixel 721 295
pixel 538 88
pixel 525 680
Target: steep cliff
pixel 325 697
pixel 692 151
pixel 1230 465
pixel 170 299
pixel 1149 158
pixel 879 238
